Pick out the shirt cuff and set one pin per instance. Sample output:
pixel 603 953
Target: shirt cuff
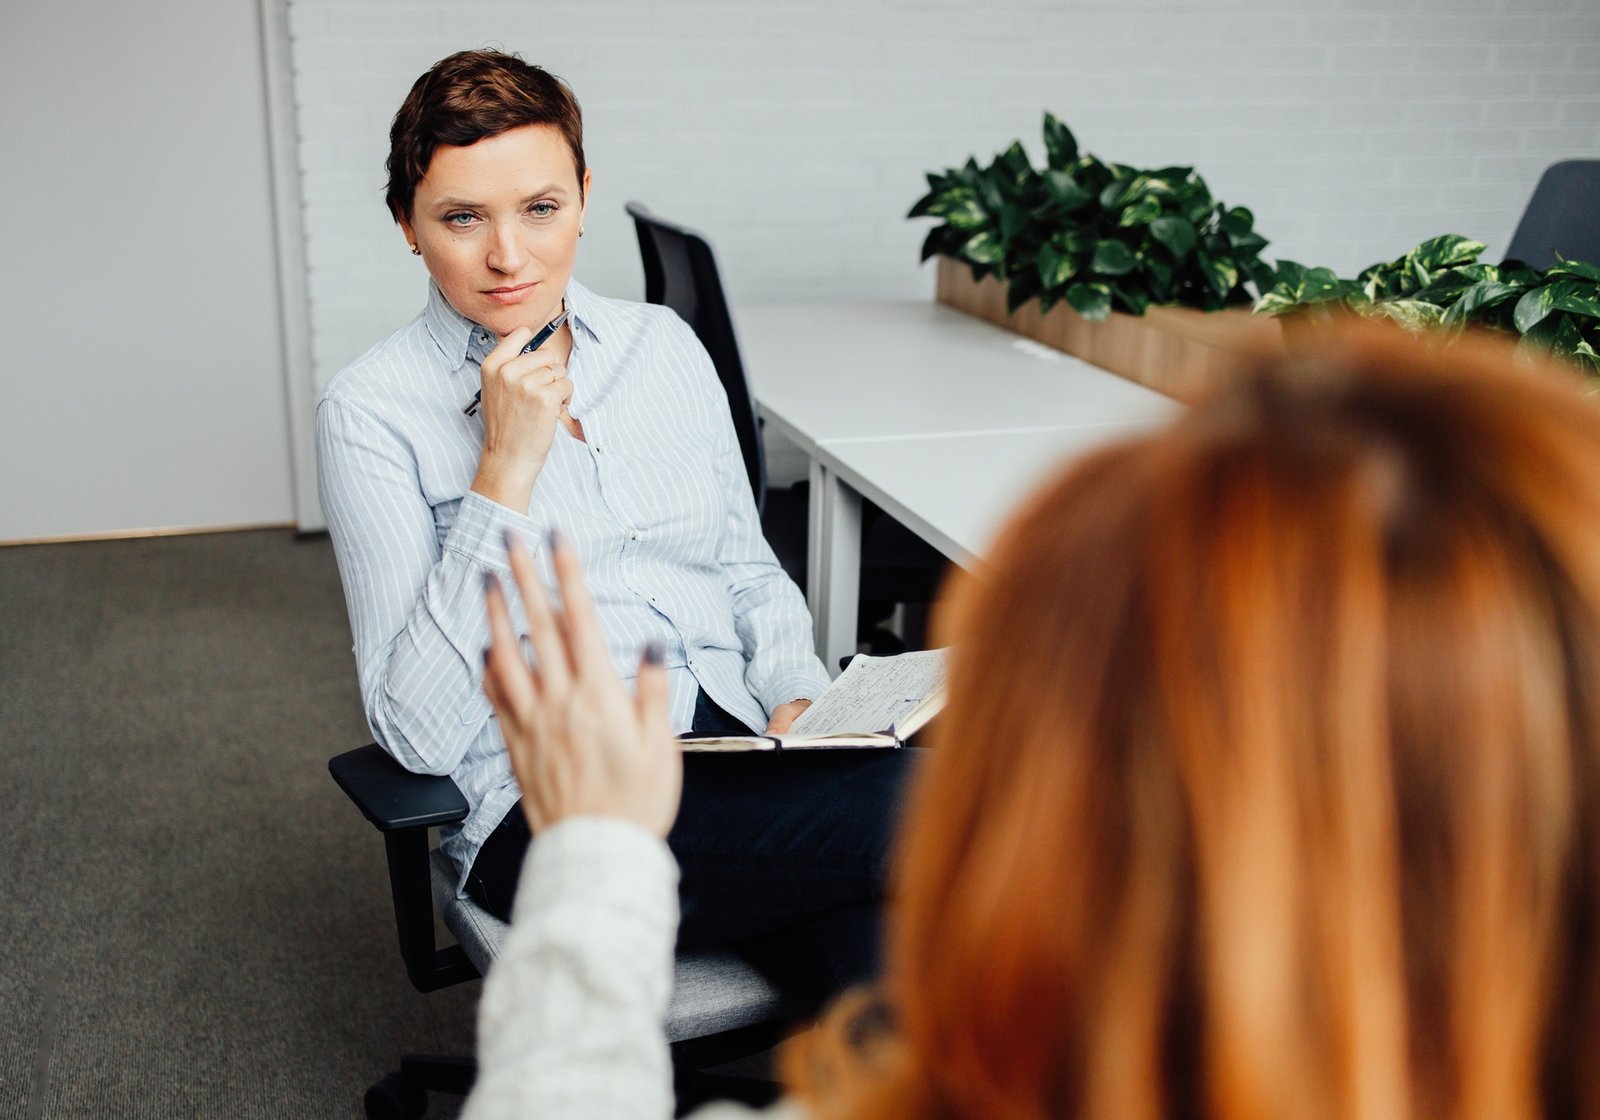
pixel 791 687
pixel 479 531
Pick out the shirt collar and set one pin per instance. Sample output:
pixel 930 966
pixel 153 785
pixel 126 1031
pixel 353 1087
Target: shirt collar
pixel 458 337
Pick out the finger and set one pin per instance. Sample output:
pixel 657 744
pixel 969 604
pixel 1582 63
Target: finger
pixel 507 349
pixel 504 671
pixel 580 624
pixel 652 689
pixel 544 635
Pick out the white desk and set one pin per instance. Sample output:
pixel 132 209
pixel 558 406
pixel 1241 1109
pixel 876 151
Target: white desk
pixel 940 418
pixel 826 372
pixel 954 491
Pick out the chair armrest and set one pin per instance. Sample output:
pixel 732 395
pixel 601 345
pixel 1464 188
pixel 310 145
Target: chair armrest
pixel 403 806
pixel 390 796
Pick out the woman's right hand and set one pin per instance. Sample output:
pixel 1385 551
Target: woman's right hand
pixel 580 745
pixel 523 398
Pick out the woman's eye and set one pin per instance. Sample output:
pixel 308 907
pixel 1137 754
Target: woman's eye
pixel 542 209
pixel 460 221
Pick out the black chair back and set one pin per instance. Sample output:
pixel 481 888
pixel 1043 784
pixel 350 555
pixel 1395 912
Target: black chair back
pixel 1563 216
pixel 680 272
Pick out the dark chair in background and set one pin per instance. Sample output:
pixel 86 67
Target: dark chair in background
pixel 722 1008
pixel 1563 216
pixel 897 566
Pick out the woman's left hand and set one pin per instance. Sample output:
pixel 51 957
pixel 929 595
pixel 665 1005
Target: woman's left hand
pixel 784 715
pixel 579 744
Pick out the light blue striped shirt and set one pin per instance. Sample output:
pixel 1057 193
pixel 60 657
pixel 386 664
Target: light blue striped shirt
pixel 656 502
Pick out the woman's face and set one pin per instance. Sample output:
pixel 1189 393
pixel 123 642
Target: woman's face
pixel 497 223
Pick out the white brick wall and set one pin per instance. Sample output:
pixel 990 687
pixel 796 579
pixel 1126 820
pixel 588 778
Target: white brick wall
pixel 795 133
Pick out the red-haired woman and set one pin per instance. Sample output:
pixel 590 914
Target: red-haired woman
pixel 1268 787
pixel 446 435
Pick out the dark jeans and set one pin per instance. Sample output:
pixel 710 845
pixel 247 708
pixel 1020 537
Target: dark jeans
pixel 783 857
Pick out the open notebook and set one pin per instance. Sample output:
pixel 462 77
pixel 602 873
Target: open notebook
pixel 876 702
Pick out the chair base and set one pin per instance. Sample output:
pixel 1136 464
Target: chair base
pixel 403 1094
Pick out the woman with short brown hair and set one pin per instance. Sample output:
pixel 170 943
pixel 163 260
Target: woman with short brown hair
pixel 450 434
pixel 1287 798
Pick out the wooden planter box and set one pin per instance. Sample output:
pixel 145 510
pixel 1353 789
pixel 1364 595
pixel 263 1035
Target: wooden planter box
pixel 1178 351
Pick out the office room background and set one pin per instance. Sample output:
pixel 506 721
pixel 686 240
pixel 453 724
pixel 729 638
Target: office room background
pixel 199 240
pixel 196 923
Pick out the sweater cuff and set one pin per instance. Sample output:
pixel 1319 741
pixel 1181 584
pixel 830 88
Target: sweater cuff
pixel 602 862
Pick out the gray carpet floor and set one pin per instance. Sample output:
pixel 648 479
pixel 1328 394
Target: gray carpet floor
pixel 195 922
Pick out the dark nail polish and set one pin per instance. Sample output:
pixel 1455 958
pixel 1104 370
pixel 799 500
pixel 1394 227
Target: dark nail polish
pixel 512 538
pixel 491 583
pixel 486 652
pixel 653 653
pixel 556 539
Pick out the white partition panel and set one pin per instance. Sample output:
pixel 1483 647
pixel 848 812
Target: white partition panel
pixel 139 331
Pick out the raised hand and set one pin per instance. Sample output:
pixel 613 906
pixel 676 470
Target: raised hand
pixel 580 745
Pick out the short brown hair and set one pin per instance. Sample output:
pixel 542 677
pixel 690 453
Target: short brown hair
pixel 1269 784
pixel 468 97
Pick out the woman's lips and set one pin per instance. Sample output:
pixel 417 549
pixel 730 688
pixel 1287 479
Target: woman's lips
pixel 511 295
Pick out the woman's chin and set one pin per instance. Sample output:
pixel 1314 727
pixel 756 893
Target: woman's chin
pixel 503 320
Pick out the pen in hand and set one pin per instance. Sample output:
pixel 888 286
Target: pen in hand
pixel 534 343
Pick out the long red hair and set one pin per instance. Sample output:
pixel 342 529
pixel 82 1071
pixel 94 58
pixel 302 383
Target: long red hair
pixel 1268 785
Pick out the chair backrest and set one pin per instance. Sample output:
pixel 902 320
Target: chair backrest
pixel 680 272
pixel 1563 216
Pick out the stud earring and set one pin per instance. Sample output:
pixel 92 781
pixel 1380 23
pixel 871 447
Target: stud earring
pixel 580 231
pixel 416 252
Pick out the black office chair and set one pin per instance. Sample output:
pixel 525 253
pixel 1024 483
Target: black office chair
pixel 1563 216
pixel 721 1008
pixel 680 272
pixel 897 566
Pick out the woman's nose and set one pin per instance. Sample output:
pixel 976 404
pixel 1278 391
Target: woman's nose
pixel 505 251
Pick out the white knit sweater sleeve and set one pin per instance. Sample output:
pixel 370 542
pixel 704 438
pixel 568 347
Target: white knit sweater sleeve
pixel 570 1021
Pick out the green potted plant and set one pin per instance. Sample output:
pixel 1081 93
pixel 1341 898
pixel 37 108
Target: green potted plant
pixel 1021 246
pixel 1442 284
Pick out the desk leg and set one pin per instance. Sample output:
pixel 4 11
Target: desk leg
pixel 833 572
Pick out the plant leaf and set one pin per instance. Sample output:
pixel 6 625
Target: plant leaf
pixel 1056 265
pixel 1261 274
pixel 1276 302
pixel 1237 222
pixel 1581 269
pixel 1533 308
pixel 983 248
pixel 962 211
pixel 1064 191
pixel 1133 301
pixel 1112 258
pixel 1014 159
pixel 1060 146
pixel 924 205
pixel 1117 194
pixel 1220 275
pixel 1175 232
pixel 1446 250
pixel 1480 296
pixel 1579 304
pixel 1413 314
pixel 1092 301
pixel 1012 221
pixel 1140 213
